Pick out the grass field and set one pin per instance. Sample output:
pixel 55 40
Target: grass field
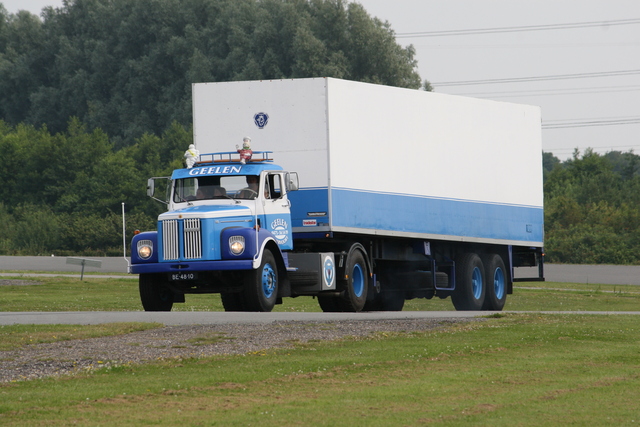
pixel 510 369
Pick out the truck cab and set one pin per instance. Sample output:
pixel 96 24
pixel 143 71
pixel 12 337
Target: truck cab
pixel 224 219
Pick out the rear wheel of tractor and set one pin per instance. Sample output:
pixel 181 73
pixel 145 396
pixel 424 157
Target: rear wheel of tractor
pixel 155 294
pixel 389 299
pixel 261 286
pixel 232 301
pixel 470 283
pixel 357 282
pixel 496 280
pixel 392 300
pixel 328 304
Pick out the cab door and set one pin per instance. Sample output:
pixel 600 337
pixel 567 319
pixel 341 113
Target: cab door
pixel 276 206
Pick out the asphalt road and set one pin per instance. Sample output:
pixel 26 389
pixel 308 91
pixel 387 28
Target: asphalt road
pixel 51 263
pixel 209 318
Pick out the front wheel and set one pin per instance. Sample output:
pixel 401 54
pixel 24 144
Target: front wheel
pixel 496 283
pixel 155 294
pixel 261 286
pixel 470 283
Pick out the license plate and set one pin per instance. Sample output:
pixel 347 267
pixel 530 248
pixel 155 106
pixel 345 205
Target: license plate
pixel 176 277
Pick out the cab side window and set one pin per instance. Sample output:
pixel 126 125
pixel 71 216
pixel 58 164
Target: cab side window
pixel 275 186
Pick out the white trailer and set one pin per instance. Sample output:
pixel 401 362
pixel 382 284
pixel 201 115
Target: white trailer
pixel 388 161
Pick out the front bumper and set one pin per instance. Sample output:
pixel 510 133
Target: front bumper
pixel 192 266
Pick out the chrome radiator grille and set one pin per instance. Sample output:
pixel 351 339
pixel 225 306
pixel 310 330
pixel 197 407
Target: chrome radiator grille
pixel 191 239
pixel 170 239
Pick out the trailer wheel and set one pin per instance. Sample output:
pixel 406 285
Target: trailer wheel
pixel 261 286
pixel 155 294
pixel 496 279
pixel 356 284
pixel 232 301
pixel 470 283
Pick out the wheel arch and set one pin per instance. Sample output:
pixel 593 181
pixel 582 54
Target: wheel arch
pixel 359 247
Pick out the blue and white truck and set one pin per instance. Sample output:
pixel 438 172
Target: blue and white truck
pixel 360 195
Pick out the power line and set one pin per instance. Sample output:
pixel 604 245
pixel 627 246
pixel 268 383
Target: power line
pixel 591 118
pixel 519 29
pixel 590 122
pixel 521 46
pixel 539 78
pixel 589 45
pixel 608 147
pixel 551 92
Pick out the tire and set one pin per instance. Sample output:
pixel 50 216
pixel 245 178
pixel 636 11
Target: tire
pixel 261 285
pixel 470 283
pixel 442 279
pixel 388 299
pixel 496 280
pixel 155 294
pixel 232 301
pixel 328 304
pixel 357 283
pixel 392 300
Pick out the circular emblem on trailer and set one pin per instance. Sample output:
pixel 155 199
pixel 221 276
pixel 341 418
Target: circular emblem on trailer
pixel 261 120
pixel 329 273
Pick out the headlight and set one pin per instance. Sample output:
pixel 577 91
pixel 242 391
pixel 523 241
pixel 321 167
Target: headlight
pixel 145 249
pixel 236 244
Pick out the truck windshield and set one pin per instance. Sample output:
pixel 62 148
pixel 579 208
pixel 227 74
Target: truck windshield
pixel 216 187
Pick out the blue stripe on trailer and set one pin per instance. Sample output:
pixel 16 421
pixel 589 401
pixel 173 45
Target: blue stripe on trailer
pixel 415 214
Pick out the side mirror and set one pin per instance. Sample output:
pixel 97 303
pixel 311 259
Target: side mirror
pixel 292 181
pixel 151 187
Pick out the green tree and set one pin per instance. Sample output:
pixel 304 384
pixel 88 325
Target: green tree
pixel 127 67
pixel 549 163
pixel 592 209
pixel 63 193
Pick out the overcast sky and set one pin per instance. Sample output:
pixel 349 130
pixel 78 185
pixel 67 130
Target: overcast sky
pixel 581 64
